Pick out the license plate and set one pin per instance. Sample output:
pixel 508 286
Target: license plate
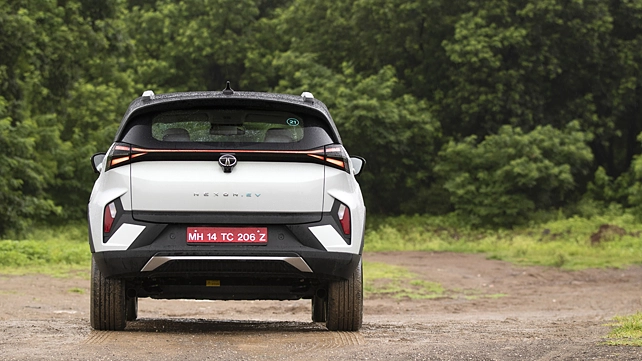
pixel 252 235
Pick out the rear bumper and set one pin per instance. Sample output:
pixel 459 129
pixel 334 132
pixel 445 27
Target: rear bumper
pixel 136 249
pixel 218 275
pixel 156 260
pixel 152 264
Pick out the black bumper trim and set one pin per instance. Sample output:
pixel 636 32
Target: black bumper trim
pixel 227 217
pixel 324 265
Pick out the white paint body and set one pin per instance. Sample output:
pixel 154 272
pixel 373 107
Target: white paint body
pixel 202 186
pixel 250 187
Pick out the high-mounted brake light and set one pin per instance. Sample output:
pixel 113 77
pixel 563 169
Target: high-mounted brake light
pixel 110 216
pixel 344 218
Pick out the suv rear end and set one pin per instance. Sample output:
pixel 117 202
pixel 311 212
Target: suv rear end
pixel 231 196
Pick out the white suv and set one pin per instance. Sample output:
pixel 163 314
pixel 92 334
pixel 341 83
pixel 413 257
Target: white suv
pixel 227 196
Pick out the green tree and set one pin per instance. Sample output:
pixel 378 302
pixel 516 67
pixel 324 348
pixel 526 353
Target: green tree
pixel 61 86
pixel 485 64
pixel 24 131
pixel 24 179
pixel 192 44
pixel 96 97
pixel 401 78
pixel 528 63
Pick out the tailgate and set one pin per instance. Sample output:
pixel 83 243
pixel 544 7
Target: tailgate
pixel 253 187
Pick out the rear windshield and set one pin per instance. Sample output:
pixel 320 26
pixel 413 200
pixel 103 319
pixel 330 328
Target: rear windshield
pixel 228 128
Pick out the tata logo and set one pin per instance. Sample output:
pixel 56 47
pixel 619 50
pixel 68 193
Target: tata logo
pixel 227 161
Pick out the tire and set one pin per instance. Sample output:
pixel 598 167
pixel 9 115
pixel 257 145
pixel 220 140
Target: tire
pixel 345 303
pixel 132 308
pixel 319 309
pixel 107 306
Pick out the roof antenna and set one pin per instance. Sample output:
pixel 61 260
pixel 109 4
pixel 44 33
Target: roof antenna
pixel 228 90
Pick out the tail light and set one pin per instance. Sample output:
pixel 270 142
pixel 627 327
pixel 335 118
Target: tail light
pixel 119 154
pixel 344 218
pixel 110 215
pixel 336 156
pixel 331 155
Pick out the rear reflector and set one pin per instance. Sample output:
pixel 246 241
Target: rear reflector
pixel 110 215
pixel 344 218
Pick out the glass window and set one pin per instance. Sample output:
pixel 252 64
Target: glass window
pixel 227 126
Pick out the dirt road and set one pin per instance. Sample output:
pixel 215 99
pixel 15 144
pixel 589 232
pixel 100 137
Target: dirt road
pixel 495 311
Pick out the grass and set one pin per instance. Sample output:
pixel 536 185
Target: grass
pixel 58 251
pixel 565 243
pixel 398 282
pixel 493 296
pixel 627 331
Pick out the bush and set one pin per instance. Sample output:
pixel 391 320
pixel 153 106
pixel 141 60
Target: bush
pixel 606 190
pixel 635 193
pixel 505 178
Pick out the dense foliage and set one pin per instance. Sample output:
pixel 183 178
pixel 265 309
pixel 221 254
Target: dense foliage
pixel 493 109
pixel 507 176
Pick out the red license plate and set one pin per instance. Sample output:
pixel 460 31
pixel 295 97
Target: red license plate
pixel 253 235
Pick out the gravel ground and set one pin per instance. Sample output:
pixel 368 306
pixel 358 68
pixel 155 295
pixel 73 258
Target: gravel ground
pixel 494 311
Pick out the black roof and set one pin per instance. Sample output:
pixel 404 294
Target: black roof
pixel 170 101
